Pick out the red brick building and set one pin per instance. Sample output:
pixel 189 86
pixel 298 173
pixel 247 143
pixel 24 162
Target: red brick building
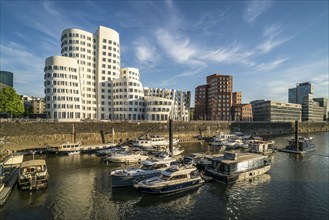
pixel 200 106
pixel 215 101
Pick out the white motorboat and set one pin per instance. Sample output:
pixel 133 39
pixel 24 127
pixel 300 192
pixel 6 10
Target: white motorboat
pixel 33 174
pixel 221 138
pixel 149 143
pixel 149 168
pixel 127 157
pixel 173 179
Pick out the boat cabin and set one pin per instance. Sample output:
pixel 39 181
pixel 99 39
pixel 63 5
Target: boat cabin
pixel 239 162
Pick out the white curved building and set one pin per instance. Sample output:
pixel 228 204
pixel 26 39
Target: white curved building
pixel 100 89
pixel 98 56
pixel 157 102
pixel 128 96
pixel 62 88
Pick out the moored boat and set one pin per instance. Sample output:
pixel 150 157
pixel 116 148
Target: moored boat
pixel 173 179
pixel 305 144
pixel 132 156
pixel 33 174
pixel 234 167
pixel 153 141
pixel 149 168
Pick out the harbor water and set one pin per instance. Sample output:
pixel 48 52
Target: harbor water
pixel 296 187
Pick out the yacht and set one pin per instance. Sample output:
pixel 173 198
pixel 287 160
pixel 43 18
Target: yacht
pixel 173 179
pixel 149 168
pixel 127 157
pixel 221 138
pixel 64 148
pixel 149 143
pixel 305 144
pixel 232 167
pixel 33 174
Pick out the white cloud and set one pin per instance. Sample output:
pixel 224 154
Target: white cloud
pixel 27 68
pixel 271 65
pixel 255 8
pixel 229 55
pixel 177 47
pixel 271 41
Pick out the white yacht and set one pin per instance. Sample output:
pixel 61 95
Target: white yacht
pixel 149 168
pixel 221 138
pixel 173 179
pixel 149 143
pixel 133 156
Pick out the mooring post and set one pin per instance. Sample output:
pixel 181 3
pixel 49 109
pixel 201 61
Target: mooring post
pixel 74 134
pixel 170 138
pixel 296 135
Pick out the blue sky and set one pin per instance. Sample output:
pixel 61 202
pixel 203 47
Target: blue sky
pixel 268 46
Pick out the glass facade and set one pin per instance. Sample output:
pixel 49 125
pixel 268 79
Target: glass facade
pixel 7 78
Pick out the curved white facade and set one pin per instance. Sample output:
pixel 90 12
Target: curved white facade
pixel 158 109
pixel 62 88
pixel 98 57
pixel 179 108
pixel 128 96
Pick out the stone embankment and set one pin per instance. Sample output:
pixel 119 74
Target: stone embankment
pixel 23 135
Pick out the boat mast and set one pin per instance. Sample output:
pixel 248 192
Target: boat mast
pixel 296 136
pixel 170 138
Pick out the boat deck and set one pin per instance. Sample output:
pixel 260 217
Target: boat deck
pixel 292 151
pixel 5 192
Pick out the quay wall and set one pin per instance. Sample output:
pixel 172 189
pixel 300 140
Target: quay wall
pixel 23 135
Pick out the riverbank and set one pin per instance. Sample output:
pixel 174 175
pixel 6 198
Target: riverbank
pixel 23 135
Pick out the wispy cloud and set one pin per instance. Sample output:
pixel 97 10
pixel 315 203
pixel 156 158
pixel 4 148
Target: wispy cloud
pixel 178 47
pixel 27 68
pixel 146 53
pixel 272 40
pixel 270 65
pixel 255 8
pixel 232 54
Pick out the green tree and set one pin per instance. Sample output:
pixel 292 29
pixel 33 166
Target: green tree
pixel 10 102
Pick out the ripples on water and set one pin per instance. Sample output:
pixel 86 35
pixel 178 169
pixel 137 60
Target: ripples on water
pixel 80 188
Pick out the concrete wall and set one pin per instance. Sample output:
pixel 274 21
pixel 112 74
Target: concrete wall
pixel 22 135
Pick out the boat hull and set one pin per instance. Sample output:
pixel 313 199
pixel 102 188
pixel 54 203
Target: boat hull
pixel 227 179
pixel 171 188
pixel 129 181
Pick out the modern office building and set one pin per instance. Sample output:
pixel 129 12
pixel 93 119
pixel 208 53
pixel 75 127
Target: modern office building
pixel 6 79
pixel 302 90
pixel 86 82
pixel 241 112
pixel 272 111
pixel 312 111
pixel 323 102
pixel 303 94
